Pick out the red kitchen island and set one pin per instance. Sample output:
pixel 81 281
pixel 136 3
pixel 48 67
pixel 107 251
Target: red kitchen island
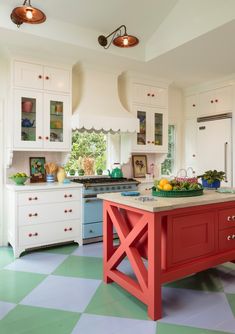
pixel 177 237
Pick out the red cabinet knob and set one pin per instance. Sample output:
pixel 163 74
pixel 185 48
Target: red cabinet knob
pixel 148 141
pixel 40 76
pixel 148 94
pixel 194 105
pixel 35 198
pixel 30 198
pixel 36 234
pixel 65 211
pixel 46 137
pixel 39 137
pixel 65 230
pixel 153 142
pixel 30 235
pixel 70 210
pixel 216 100
pixel 47 78
pixel 65 196
pixel 212 101
pixel 70 195
pixel 70 229
pixel 153 95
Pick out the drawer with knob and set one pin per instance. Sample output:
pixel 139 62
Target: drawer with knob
pixel 41 197
pixel 42 234
pixel 48 213
pixel 227 239
pixel 227 218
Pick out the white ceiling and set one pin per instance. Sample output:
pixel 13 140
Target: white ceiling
pixel 72 27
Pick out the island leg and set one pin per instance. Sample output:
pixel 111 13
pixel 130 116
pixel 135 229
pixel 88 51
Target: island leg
pixel 154 267
pixel 107 242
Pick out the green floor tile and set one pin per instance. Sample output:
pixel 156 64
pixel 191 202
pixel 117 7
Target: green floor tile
pixel 163 328
pixel 206 281
pixel 66 249
pixel 81 266
pixel 14 285
pixel 231 300
pixel 112 300
pixel 6 256
pixel 35 320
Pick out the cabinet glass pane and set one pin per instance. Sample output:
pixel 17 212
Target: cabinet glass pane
pixel 141 136
pixel 158 129
pixel 56 121
pixel 28 119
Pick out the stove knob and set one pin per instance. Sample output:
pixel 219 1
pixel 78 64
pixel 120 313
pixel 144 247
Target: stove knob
pixel 124 187
pixel 101 189
pixel 113 188
pixel 107 188
pixel 118 187
pixel 129 187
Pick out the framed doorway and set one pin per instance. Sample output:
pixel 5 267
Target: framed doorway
pixel 2 231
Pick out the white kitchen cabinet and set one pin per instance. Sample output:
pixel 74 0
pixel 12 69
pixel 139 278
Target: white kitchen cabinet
pixel 41 120
pixel 149 95
pixel 191 106
pixel 47 215
pixel 190 144
pixel 152 137
pixel 37 76
pixel 216 101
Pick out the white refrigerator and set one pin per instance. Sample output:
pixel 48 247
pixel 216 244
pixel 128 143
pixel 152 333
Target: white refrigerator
pixel 214 147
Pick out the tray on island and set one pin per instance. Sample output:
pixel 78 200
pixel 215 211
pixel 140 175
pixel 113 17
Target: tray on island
pixel 177 193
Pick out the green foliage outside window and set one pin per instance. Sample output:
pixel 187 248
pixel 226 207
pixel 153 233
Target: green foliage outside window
pixel 167 167
pixel 85 144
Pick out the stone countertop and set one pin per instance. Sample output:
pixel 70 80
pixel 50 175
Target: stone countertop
pixel 43 186
pixel 164 204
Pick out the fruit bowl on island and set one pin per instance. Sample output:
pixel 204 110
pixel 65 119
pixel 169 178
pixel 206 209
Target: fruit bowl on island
pixel 19 178
pixel 176 188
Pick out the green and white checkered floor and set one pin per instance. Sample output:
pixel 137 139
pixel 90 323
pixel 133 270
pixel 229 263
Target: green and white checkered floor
pixel 60 291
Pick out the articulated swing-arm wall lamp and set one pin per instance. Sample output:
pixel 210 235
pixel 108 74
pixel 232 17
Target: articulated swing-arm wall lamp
pixel 119 38
pixel 27 14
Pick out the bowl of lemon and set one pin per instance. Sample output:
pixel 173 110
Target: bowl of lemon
pixel 176 188
pixel 19 178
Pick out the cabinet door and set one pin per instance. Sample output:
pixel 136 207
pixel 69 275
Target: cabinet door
pixel 223 99
pixel 206 103
pixel 157 97
pixel 140 93
pixel 153 135
pixel 159 130
pixel 191 106
pixel 190 236
pixel 28 119
pixel 28 75
pixel 56 121
pixel 190 144
pixel 56 79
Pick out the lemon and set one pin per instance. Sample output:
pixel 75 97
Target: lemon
pixel 159 187
pixel 163 182
pixel 167 187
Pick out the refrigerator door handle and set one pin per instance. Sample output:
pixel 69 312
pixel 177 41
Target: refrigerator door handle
pixel 226 161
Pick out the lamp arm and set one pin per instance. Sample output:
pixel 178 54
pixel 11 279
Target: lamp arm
pixel 25 2
pixel 119 28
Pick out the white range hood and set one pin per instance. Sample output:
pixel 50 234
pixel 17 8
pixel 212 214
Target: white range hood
pixel 98 107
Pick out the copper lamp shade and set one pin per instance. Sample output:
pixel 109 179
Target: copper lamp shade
pixel 27 14
pixel 119 38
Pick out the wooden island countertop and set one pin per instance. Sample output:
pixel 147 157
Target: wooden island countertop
pixel 177 237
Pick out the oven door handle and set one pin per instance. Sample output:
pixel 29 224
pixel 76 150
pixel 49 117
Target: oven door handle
pixel 92 200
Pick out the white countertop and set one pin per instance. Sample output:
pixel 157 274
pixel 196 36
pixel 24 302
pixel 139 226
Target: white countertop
pixel 43 186
pixel 163 204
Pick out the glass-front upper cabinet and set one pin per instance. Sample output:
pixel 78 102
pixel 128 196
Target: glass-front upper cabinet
pixel 152 135
pixel 41 121
pixel 56 121
pixel 28 119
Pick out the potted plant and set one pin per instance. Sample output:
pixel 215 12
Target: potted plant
pixel 212 178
